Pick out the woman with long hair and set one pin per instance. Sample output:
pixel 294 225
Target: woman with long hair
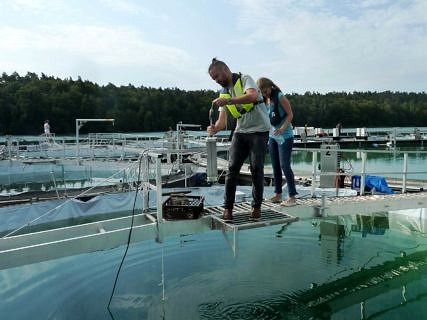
pixel 281 139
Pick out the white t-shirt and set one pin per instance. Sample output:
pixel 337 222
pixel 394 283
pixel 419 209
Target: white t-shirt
pixel 46 128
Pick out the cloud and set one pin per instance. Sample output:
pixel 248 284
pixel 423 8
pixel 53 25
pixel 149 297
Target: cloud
pixel 374 45
pixel 34 6
pixel 123 6
pixel 316 45
pixel 372 3
pixel 102 45
pixel 100 54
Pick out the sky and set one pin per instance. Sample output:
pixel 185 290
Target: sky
pixel 302 45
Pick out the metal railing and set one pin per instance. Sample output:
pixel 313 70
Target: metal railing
pixel 315 174
pixel 148 171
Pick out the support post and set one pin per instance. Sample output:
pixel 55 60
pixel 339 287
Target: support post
pixel 362 175
pixel 77 137
pixel 146 184
pixel 405 171
pixel 185 176
pixel 159 199
pixel 313 173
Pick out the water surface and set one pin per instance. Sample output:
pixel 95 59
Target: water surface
pixel 341 267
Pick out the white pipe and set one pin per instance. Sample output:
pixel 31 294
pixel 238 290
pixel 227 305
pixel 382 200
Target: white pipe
pixel 159 190
pixel 362 175
pixel 405 172
pixel 313 173
pixel 95 120
pixel 185 176
pixel 146 186
pixel 159 199
pixel 211 159
pixel 77 138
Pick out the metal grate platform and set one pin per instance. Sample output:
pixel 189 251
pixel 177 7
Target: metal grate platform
pixel 241 216
pixel 416 197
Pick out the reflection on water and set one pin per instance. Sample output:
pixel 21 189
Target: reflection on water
pixel 346 267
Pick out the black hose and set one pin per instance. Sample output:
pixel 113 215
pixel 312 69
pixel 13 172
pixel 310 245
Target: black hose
pixel 128 242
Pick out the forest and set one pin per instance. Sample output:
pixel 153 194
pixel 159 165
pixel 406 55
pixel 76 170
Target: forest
pixel 26 101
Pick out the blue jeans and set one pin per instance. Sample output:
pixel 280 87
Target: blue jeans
pixel 244 145
pixel 280 155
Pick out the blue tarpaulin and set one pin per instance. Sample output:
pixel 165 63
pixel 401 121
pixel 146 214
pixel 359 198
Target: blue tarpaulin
pixel 377 183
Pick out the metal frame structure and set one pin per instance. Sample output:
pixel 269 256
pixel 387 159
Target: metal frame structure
pixel 80 123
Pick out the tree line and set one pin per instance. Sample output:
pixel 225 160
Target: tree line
pixel 26 101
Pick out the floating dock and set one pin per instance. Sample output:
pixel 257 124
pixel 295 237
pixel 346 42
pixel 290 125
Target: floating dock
pixel 50 244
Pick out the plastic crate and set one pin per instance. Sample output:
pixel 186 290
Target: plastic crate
pixel 181 207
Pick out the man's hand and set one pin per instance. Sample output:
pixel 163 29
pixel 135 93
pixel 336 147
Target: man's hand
pixel 211 130
pixel 220 102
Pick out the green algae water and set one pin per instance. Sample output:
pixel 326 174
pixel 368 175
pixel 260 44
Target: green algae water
pixel 370 266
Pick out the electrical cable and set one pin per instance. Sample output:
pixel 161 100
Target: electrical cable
pixel 128 241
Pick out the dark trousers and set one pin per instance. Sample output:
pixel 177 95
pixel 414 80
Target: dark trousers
pixel 280 155
pixel 244 145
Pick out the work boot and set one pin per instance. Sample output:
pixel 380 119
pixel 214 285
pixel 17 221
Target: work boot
pixel 255 214
pixel 228 215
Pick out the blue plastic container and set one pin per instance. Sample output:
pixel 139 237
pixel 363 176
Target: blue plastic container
pixel 355 182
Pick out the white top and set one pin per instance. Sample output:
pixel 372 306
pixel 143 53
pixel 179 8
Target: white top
pixel 46 128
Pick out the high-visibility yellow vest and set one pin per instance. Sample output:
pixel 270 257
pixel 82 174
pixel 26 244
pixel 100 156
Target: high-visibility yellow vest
pixel 240 109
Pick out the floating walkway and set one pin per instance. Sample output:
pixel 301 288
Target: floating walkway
pixel 50 244
pixel 22 249
pixel 332 206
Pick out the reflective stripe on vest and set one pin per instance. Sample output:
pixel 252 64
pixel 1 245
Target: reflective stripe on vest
pixel 240 109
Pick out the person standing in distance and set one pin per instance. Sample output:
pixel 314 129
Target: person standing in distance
pixel 46 128
pixel 281 140
pixel 241 99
